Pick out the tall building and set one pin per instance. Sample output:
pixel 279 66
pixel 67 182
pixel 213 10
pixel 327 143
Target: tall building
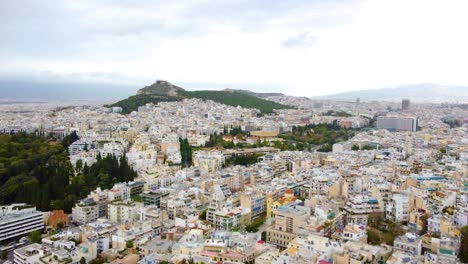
pixel 18 220
pixel 397 123
pixel 397 209
pixel 289 218
pixel 256 202
pixel 405 104
pixel 223 214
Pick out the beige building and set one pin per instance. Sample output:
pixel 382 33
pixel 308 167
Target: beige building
pixel 122 211
pixel 288 220
pixel 360 253
pixel 210 161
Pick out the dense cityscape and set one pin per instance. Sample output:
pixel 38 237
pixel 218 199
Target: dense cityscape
pixel 196 181
pixel 233 132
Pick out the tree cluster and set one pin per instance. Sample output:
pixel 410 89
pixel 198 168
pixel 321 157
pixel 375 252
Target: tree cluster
pixel 303 137
pixel 39 173
pixel 242 159
pixel 185 152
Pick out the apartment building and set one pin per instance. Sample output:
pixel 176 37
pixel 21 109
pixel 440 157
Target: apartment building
pixel 256 202
pixel 19 220
pixel 153 197
pixel 359 208
pixel 398 208
pixel 397 123
pixel 289 219
pixel 223 214
pixel 210 161
pixel 409 242
pixel 86 211
pixel 123 211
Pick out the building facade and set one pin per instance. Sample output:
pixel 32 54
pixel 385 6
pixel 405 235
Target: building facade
pixel 19 220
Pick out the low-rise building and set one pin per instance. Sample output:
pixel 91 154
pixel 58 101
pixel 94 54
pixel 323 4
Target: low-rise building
pixel 409 242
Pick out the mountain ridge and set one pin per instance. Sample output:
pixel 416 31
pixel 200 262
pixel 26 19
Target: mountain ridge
pixel 425 92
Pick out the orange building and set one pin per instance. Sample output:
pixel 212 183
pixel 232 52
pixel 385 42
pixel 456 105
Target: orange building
pixel 56 217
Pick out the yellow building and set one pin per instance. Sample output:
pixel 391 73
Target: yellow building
pixel 273 204
pixel 447 228
pixel 264 134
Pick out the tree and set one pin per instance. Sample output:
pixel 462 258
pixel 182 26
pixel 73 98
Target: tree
pixel 35 172
pixel 367 147
pixel 185 152
pixel 98 260
pixel 203 215
pixel 60 225
pixel 423 220
pixel 375 220
pixel 463 255
pixel 325 148
pixel 79 166
pixel 69 139
pixel 82 260
pixel 373 236
pixel 355 147
pixel 35 237
pixel 129 244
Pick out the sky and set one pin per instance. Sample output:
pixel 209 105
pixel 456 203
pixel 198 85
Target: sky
pixel 299 47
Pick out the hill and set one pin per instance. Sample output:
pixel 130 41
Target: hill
pixel 161 88
pixel 162 91
pixel 260 95
pixel 416 93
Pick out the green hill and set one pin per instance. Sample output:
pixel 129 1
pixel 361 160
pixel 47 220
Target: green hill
pixel 163 91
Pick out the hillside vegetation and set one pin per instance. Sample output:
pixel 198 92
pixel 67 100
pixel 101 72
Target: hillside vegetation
pixel 163 91
pixel 234 98
pixel 37 172
pixel 133 102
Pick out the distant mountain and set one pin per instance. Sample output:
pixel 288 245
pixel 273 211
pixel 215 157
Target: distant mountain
pixel 416 93
pixel 54 91
pixel 162 91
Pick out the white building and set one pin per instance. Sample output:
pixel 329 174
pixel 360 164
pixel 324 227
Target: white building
pixel 120 191
pixel 78 146
pixel 122 211
pixel 112 149
pixel 30 254
pixel 433 224
pixel 398 208
pixel 460 217
pixel 409 242
pixel 210 161
pixel 397 123
pixel 18 220
pixel 86 211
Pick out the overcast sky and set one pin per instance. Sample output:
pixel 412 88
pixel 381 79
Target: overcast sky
pixel 300 47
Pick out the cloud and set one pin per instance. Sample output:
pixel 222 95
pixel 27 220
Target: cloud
pixel 303 40
pixel 304 47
